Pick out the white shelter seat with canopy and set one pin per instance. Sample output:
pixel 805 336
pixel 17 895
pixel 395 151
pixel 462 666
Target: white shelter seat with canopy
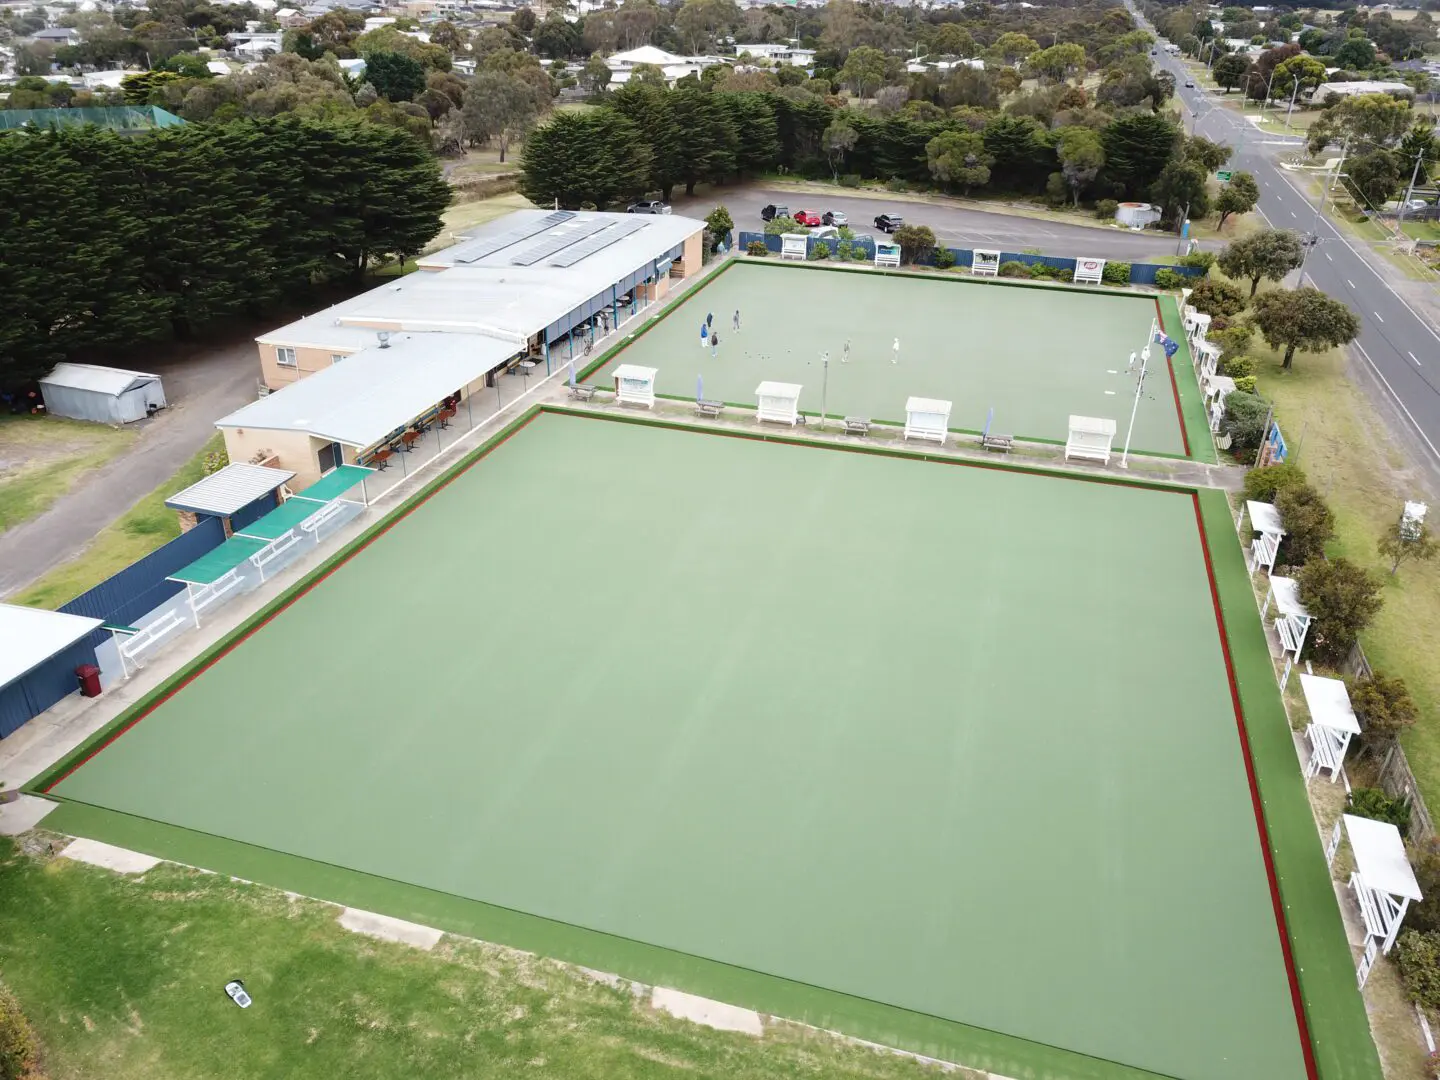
pixel 927 418
pixel 1266 525
pixel 1332 724
pixel 1091 437
pixel 778 402
pixel 1216 388
pixel 1207 358
pixel 635 385
pixel 1383 882
pixel 1292 621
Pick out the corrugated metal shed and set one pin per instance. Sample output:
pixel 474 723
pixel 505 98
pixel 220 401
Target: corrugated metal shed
pixel 235 486
pixel 104 394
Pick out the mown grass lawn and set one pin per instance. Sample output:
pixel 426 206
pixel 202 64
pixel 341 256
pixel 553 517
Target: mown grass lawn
pixel 122 978
pixel 1342 443
pixel 142 529
pixel 43 457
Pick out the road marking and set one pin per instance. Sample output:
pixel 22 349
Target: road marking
pixel 1413 357
pixel 1293 214
pixel 1356 252
pixel 1350 283
pixel 1386 382
pixel 1379 316
pixel 1329 256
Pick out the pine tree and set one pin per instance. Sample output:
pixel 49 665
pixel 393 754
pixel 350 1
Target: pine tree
pixel 593 157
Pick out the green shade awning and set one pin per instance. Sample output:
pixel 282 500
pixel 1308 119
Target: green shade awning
pixel 281 520
pixel 215 564
pixel 334 484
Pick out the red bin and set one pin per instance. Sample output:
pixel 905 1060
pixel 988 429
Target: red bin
pixel 89 676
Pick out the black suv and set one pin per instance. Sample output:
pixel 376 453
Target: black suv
pixel 771 212
pixel 888 223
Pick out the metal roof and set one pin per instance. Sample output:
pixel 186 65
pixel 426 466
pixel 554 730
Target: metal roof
pixel 33 635
pixel 473 287
pixel 1329 703
pixel 101 380
pixel 235 486
pixel 377 390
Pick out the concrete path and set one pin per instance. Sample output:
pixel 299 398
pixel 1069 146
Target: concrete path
pixel 202 384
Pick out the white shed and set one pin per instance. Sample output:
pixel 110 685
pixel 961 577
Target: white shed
pixel 778 402
pixel 927 418
pixel 104 394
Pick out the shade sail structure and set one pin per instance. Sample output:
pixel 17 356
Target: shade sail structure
pixel 33 635
pixel 235 486
pixel 335 483
pixel 215 564
pixel 281 520
pixel 1329 703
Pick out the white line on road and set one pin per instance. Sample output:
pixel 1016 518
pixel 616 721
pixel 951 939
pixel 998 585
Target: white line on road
pixel 1379 316
pixel 1408 415
pixel 1329 256
pixel 1350 283
pixel 1293 214
pixel 1414 357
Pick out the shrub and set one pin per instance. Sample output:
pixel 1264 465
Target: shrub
pixel 1042 271
pixel 944 258
pixel 778 226
pixel 819 251
pixel 845 251
pixel 896 183
pixel 1343 599
pixel 214 461
pixel 1165 278
pixel 1425 858
pixel 18 1050
pixel 757 248
pixel 916 242
pixel 850 180
pixel 1216 297
pixel 1372 803
pixel 1247 383
pixel 1066 275
pixel 1308 522
pixel 1418 955
pixel 1105 209
pixel 1244 422
pixel 1264 483
pixel 1384 707
pixel 1014 268
pixel 1116 273
pixel 1237 367
pixel 1199 258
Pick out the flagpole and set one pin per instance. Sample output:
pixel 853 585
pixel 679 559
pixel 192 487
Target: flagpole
pixel 1135 408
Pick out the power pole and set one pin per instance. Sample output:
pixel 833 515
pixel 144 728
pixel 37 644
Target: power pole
pixel 1410 190
pixel 1291 109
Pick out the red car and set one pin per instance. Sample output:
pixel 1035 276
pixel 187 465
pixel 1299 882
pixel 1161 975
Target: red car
pixel 808 217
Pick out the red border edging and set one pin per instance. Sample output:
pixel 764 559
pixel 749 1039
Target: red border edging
pixel 1297 998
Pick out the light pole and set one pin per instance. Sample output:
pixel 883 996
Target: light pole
pixel 1291 109
pixel 824 386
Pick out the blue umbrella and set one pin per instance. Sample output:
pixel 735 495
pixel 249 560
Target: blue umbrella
pixel 699 387
pixel 572 374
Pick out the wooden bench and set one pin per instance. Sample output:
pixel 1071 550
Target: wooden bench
pixel 581 392
pixel 995 441
pixel 857 425
pixel 712 409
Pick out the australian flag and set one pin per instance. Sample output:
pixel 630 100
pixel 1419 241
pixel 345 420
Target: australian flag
pixel 1169 344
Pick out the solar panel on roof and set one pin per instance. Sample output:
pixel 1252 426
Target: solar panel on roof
pixel 572 255
pixel 551 244
pixel 514 236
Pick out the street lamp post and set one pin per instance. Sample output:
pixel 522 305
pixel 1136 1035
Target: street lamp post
pixel 1291 109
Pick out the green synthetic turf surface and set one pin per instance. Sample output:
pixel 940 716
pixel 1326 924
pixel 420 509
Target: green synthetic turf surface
pixel 1037 355
pixel 679 688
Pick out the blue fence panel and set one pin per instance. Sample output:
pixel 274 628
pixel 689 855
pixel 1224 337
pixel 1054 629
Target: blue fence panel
pixel 1144 273
pixel 252 512
pixel 1055 262
pixel 141 586
pixel 34 693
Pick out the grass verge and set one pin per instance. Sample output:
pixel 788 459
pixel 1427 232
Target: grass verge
pixel 1342 443
pixel 467 215
pixel 122 977
pixel 139 531
pixel 43 457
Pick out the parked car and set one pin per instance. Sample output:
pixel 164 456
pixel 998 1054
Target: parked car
pixel 1189 84
pixel 888 223
pixel 650 206
pixel 771 212
pixel 826 232
pixel 836 217
pixel 809 217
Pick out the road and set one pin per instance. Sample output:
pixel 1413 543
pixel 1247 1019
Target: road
pixel 954 226
pixel 1399 347
pixel 201 385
